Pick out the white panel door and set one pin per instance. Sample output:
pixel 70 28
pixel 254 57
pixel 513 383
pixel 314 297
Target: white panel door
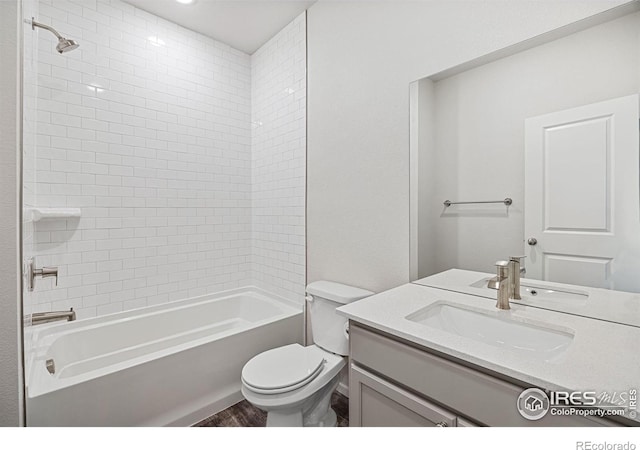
pixel 582 210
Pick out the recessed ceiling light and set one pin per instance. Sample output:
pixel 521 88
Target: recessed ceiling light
pixel 185 2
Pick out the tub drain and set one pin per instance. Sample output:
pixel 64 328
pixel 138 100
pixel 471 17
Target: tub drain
pixel 51 366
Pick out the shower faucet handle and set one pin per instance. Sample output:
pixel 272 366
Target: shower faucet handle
pixel 47 272
pixel 32 273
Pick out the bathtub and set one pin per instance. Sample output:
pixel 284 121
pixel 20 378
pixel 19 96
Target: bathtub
pixel 168 365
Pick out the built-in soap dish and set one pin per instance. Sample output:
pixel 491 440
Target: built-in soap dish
pixel 38 214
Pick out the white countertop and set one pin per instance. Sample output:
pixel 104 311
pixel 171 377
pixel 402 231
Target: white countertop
pixel 603 304
pixel 603 356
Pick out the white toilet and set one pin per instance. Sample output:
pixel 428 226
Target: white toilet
pixel 294 383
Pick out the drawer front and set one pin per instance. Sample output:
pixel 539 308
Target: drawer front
pixel 375 402
pixel 465 423
pixel 486 399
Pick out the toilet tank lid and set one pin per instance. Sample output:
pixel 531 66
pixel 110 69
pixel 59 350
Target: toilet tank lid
pixel 339 293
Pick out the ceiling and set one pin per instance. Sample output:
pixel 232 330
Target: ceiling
pixel 243 24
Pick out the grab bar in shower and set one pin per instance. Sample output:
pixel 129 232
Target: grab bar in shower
pixel 507 201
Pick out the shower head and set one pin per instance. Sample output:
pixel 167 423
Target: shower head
pixel 64 44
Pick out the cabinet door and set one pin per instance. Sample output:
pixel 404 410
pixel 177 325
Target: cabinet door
pixel 374 402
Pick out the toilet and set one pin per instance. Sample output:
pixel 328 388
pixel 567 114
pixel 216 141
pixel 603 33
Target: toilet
pixel 293 384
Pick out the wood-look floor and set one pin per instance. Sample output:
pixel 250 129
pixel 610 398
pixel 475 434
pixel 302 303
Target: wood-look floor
pixel 244 414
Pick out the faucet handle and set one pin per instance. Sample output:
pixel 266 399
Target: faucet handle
pixel 31 273
pixel 50 272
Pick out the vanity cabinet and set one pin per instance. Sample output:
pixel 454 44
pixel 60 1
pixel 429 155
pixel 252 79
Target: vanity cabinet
pixel 395 383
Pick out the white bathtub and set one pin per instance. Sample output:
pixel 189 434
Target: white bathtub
pixel 173 364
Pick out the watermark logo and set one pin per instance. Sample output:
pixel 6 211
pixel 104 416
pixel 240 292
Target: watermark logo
pixel 589 445
pixel 533 404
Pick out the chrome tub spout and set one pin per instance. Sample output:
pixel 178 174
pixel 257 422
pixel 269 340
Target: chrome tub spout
pixel 53 316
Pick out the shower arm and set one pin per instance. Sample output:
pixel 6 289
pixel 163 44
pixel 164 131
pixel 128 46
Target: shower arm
pixel 35 24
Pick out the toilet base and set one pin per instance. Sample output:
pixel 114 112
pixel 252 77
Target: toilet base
pixel 316 413
pixel 284 419
pixel 280 419
pixel 329 420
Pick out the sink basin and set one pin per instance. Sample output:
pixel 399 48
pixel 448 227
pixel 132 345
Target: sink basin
pixel 497 329
pixel 541 293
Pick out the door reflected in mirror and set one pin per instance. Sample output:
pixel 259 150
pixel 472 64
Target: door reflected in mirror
pixel 552 124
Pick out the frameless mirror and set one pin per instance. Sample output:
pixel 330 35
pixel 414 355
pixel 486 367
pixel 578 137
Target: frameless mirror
pixel 533 150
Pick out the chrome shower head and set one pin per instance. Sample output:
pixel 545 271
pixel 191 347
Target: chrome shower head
pixel 64 44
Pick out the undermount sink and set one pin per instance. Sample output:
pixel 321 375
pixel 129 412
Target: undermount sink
pixel 497 329
pixel 541 293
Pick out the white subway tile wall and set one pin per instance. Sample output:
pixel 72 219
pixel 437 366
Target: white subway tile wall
pixel 147 128
pixel 278 158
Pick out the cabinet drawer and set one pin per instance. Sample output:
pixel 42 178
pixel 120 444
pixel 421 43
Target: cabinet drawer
pixel 465 423
pixel 488 400
pixel 375 402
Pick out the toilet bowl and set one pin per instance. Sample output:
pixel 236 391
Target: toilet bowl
pixel 294 384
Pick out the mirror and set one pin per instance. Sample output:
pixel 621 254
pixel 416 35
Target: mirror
pixel 551 123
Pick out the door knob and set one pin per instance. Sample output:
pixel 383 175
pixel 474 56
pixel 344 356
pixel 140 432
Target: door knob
pixel 532 241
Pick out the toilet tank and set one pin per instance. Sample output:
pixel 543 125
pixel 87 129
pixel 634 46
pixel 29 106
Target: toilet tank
pixel 327 327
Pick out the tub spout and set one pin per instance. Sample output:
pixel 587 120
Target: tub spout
pixel 46 317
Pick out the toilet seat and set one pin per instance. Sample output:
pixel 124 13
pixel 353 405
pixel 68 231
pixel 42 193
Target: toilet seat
pixel 283 369
pixel 284 389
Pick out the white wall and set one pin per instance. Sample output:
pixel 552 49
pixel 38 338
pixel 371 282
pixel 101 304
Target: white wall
pixel 362 57
pixel 278 159
pixel 480 135
pixel 153 143
pixel 10 359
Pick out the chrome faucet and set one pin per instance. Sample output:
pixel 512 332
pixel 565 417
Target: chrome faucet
pixel 53 316
pixel 503 282
pixel 515 272
pixel 32 273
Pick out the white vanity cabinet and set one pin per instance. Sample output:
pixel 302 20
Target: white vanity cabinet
pixel 396 384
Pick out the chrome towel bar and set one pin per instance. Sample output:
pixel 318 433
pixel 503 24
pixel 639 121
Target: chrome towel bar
pixel 507 201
